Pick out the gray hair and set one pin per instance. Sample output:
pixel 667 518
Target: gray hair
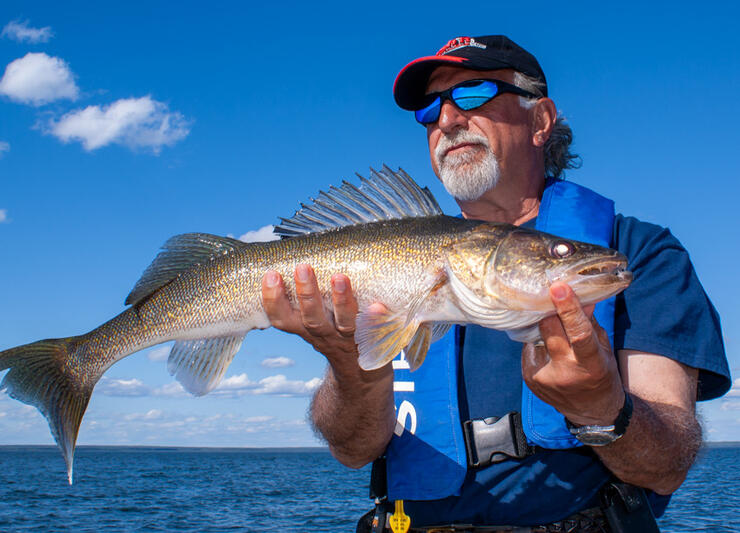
pixel 558 156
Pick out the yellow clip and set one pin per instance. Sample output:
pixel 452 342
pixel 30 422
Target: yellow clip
pixel 400 522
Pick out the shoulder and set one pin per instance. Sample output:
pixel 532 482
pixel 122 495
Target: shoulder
pixel 633 236
pixel 665 310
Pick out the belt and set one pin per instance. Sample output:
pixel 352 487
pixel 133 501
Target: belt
pixel 586 521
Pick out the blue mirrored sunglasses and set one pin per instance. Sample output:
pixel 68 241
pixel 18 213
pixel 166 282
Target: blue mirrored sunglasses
pixel 466 95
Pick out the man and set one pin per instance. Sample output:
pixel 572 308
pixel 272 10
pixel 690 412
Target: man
pixel 624 412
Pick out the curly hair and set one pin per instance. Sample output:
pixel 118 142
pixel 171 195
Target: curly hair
pixel 558 156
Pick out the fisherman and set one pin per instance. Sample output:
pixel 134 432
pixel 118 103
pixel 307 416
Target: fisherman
pixel 490 432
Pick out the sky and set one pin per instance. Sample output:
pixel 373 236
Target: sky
pixel 122 127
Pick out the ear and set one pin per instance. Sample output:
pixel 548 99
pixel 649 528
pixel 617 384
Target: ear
pixel 544 115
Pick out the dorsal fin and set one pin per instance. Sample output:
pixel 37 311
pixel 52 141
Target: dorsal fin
pixel 179 254
pixel 384 195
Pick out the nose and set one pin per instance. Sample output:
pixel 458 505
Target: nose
pixel 450 117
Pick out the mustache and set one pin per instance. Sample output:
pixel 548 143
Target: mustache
pixel 450 140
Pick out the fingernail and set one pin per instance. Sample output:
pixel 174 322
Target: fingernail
pixel 272 279
pixel 339 285
pixel 558 292
pixel 301 273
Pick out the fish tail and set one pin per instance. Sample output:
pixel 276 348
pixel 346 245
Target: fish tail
pixel 48 375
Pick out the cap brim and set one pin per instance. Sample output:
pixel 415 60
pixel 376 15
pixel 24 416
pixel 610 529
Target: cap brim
pixel 411 83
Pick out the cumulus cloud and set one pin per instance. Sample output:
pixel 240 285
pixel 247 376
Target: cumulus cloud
pixel 20 31
pixel 735 390
pixel 122 387
pixel 133 122
pixel 152 414
pixel 263 234
pixel 278 385
pixel 231 387
pixel 277 362
pixel 4 147
pixel 160 353
pixel 38 79
pixel 282 386
pixel 3 215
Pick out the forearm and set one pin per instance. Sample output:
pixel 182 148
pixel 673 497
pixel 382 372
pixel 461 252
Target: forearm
pixel 353 410
pixel 657 449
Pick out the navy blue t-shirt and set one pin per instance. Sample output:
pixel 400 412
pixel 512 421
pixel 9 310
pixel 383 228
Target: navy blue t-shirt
pixel 664 311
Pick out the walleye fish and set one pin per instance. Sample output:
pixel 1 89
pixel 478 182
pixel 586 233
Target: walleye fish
pixel 387 234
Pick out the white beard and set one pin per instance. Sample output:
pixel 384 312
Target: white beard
pixel 469 175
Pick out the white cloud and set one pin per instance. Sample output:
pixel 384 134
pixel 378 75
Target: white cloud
pixel 122 387
pixel 4 147
pixel 277 362
pixel 3 215
pixel 263 234
pixel 160 353
pixel 133 122
pixel 173 390
pixel 152 414
pixel 231 387
pixel 240 385
pixel 21 31
pixel 38 79
pixel 280 385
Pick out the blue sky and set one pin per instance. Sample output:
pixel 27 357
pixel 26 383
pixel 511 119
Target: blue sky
pixel 122 127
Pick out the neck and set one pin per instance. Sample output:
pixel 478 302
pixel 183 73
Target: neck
pixel 506 203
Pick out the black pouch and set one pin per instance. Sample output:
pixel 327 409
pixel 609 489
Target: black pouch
pixel 627 509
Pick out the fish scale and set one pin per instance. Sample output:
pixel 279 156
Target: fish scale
pixel 428 269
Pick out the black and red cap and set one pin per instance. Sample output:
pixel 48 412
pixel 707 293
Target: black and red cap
pixel 489 52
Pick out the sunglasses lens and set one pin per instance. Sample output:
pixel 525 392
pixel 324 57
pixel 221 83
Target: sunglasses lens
pixel 471 96
pixel 429 113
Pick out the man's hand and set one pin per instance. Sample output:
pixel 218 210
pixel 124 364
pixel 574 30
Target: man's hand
pixel 575 371
pixel 352 409
pixel 332 336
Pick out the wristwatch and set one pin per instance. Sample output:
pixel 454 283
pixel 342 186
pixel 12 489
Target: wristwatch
pixel 603 435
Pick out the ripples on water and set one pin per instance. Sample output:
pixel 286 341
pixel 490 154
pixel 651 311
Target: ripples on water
pixel 170 489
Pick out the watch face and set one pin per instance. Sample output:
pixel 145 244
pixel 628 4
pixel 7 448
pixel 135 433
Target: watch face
pixel 597 438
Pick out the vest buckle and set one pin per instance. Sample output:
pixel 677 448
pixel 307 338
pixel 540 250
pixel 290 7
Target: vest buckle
pixel 495 439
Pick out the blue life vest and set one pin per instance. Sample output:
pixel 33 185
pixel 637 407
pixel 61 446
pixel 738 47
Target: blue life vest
pixel 426 458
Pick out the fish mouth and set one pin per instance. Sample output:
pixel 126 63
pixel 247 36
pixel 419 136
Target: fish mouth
pixel 614 267
pixel 604 271
pixel 597 272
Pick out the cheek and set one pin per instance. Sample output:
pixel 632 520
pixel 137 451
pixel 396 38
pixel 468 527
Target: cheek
pixel 433 136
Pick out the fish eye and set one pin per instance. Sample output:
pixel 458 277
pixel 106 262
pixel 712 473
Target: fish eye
pixel 562 249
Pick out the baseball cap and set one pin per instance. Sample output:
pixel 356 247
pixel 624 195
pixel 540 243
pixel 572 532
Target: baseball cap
pixel 489 52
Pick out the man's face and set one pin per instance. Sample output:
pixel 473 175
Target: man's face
pixel 472 151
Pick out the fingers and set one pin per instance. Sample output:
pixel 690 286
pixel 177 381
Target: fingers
pixel 575 323
pixel 345 305
pixel 311 302
pixel 276 303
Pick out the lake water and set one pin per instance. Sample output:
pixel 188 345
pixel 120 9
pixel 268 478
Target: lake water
pixel 213 490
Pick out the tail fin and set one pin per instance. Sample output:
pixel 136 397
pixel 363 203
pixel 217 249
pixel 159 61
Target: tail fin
pixel 41 376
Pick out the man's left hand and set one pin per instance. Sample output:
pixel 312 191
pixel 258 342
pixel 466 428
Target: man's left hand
pixel 575 371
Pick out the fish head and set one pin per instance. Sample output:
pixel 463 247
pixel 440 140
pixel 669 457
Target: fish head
pixel 513 267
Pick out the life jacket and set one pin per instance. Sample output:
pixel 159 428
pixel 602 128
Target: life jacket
pixel 426 457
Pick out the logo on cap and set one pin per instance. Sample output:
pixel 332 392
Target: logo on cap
pixel 459 42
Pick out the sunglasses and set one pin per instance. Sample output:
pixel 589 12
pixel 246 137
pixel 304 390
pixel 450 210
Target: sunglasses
pixel 466 95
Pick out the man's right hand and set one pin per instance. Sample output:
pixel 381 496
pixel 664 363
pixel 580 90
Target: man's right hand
pixel 334 337
pixel 352 409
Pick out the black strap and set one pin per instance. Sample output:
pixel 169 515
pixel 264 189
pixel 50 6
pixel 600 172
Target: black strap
pixel 627 508
pixel 493 440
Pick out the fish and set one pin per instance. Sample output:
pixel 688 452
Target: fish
pixel 388 235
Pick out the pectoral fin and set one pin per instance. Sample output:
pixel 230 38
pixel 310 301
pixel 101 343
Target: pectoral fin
pixel 381 336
